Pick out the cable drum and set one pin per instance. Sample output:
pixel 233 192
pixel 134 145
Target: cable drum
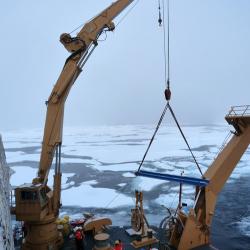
pixel 166 224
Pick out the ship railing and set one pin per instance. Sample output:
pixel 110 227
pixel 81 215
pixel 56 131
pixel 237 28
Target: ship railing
pixel 242 110
pixel 12 198
pixel 224 143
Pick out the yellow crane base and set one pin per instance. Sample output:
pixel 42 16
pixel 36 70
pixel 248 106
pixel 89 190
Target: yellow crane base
pixel 145 241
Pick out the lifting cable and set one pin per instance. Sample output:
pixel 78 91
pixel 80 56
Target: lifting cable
pixel 153 137
pixel 185 139
pixel 166 50
pixel 127 13
pixel 118 22
pixel 161 22
pixel 167 82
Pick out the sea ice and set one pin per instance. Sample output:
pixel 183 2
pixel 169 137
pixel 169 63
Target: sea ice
pixel 22 174
pixel 122 184
pixel 19 156
pixel 25 174
pixel 171 200
pixel 128 175
pixel 146 184
pixel 120 149
pixel 87 196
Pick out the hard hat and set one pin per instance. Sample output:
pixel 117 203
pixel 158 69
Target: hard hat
pixel 66 217
pixel 117 242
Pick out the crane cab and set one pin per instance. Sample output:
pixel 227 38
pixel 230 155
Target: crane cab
pixel 31 202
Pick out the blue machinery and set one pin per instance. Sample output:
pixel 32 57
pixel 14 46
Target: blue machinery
pixel 176 178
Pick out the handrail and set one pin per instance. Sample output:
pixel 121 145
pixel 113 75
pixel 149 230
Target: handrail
pixel 243 110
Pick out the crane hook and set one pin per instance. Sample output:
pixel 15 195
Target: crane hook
pixel 167 93
pixel 160 19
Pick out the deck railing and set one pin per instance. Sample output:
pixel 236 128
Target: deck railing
pixel 243 110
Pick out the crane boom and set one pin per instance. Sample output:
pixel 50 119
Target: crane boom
pixel 196 227
pixel 79 47
pixel 37 204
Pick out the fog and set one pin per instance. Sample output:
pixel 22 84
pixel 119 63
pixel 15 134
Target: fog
pixel 123 81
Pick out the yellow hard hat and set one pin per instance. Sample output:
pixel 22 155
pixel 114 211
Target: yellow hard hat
pixel 66 217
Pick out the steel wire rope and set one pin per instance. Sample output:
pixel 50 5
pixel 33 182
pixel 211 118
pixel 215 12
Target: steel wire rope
pixel 158 125
pixel 153 137
pixel 127 13
pixel 167 82
pixel 185 139
pixel 166 73
pixel 116 196
pixel 166 51
pixel 225 141
pixel 78 27
pixel 167 70
pixel 118 23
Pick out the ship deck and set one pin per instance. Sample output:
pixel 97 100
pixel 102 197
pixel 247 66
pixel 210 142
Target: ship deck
pixel 119 233
pixel 116 233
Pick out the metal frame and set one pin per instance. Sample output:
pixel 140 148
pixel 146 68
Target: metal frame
pixel 242 110
pixel 176 178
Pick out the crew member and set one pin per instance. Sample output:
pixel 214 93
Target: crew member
pixel 79 237
pixel 118 245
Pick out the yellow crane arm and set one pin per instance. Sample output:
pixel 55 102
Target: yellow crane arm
pixel 92 29
pixel 80 48
pixel 196 225
pixel 38 205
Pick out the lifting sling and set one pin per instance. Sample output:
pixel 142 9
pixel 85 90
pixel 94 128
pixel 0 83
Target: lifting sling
pixel 201 182
pixel 168 177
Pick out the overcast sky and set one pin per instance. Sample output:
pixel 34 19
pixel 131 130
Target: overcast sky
pixel 123 82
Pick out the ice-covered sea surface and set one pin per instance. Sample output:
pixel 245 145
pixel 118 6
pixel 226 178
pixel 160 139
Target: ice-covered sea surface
pixel 98 166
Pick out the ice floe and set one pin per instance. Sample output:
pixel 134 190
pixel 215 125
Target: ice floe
pixel 171 200
pixel 146 184
pixel 87 196
pixel 19 156
pixel 122 184
pixel 25 174
pixel 22 174
pixel 128 175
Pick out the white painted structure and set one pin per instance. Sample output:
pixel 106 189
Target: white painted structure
pixel 6 235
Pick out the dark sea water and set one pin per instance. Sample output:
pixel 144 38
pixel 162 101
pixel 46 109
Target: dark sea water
pixel 228 228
